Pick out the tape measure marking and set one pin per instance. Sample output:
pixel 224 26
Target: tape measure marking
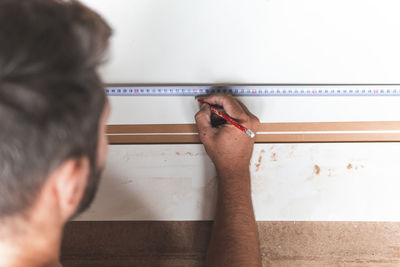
pixel 256 90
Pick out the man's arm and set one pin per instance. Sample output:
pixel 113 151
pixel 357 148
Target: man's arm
pixel 234 239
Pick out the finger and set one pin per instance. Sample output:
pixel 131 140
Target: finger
pixel 229 104
pixel 203 121
pixel 254 121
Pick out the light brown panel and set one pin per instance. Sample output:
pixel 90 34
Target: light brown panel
pixel 261 138
pixel 188 133
pixel 179 243
pixel 151 128
pixel 331 126
pixel 153 139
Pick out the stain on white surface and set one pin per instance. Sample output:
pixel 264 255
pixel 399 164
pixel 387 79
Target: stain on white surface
pixel 178 182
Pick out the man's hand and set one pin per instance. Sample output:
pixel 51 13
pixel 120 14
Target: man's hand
pixel 234 239
pixel 229 148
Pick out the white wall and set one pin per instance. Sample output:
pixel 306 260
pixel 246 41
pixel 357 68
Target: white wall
pixel 253 41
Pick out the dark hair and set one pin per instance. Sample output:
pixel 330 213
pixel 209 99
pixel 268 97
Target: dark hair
pixel 51 97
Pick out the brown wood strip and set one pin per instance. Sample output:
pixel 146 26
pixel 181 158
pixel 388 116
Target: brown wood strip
pixel 260 138
pixel 325 138
pixel 152 128
pixel 283 244
pixel 153 139
pixel 151 133
pixel 330 126
pixel 264 127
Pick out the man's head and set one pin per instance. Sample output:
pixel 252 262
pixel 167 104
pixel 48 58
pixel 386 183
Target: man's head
pixel 52 104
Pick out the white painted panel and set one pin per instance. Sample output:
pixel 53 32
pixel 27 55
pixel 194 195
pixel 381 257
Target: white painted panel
pixel 148 110
pixel 161 182
pixel 335 182
pixel 253 41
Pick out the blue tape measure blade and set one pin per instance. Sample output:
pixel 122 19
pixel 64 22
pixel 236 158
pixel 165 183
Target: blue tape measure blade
pixel 252 90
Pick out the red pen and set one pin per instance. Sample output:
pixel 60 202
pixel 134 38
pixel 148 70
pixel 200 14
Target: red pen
pixel 222 115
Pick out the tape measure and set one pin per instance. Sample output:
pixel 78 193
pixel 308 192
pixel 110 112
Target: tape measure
pixel 255 90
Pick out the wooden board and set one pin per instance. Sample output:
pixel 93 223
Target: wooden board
pixel 384 131
pixel 283 244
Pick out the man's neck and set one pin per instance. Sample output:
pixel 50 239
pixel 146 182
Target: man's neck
pixel 31 246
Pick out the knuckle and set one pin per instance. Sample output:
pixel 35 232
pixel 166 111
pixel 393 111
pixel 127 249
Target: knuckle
pixel 198 115
pixel 231 98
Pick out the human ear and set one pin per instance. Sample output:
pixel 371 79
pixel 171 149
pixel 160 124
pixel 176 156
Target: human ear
pixel 70 181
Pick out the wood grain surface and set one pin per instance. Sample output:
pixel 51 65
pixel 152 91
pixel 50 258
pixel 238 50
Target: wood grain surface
pixel 180 243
